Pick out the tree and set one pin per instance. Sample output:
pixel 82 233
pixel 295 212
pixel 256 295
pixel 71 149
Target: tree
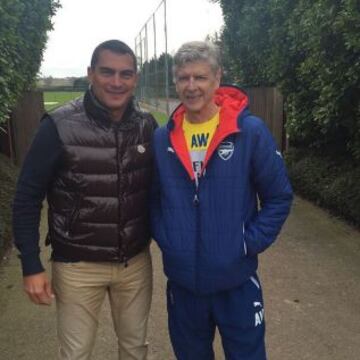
pixel 81 83
pixel 311 51
pixel 48 81
pixel 23 28
pixel 153 76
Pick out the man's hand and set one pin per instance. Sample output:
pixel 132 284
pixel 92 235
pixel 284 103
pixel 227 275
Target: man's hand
pixel 38 288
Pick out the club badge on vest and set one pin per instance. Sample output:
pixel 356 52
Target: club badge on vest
pixel 226 150
pixel 141 149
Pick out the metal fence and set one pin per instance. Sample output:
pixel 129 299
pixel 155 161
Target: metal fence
pixel 154 62
pixel 156 91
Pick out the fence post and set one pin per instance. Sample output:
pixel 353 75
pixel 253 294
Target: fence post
pixel 166 63
pixel 25 119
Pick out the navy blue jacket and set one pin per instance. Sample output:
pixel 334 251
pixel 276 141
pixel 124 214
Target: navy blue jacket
pixel 210 234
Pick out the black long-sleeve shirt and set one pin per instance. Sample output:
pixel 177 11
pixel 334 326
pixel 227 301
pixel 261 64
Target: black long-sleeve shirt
pixel 36 174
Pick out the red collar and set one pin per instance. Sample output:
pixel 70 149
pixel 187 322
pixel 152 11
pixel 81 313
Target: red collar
pixel 231 101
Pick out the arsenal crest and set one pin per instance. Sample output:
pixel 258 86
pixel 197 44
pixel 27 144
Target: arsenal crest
pixel 225 150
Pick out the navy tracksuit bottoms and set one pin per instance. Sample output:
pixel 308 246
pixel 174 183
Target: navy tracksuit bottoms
pixel 237 313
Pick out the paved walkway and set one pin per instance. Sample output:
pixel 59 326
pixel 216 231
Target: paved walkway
pixel 311 281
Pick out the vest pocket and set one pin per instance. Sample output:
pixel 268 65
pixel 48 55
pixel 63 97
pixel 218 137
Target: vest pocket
pixel 74 215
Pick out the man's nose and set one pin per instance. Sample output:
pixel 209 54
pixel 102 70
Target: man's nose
pixel 116 80
pixel 191 83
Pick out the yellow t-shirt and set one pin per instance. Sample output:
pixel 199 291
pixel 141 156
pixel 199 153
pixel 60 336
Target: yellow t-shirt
pixel 198 138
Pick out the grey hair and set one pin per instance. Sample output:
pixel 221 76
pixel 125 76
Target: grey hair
pixel 197 51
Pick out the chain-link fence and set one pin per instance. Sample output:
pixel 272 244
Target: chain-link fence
pixel 154 62
pixel 171 24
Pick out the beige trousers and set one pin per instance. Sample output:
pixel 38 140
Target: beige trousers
pixel 80 289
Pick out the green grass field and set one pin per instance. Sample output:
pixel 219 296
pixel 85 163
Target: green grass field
pixel 160 117
pixel 54 99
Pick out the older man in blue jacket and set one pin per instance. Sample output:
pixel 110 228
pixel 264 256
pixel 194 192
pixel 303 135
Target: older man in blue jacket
pixel 220 197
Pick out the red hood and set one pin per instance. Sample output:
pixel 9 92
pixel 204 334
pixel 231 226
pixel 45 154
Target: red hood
pixel 232 101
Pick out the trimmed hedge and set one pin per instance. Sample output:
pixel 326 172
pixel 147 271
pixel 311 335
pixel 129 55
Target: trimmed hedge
pixel 23 34
pixel 331 182
pixel 310 50
pixel 8 175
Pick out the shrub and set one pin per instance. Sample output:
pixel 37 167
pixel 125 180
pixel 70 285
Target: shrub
pixel 328 181
pixel 8 174
pixel 23 28
pixel 310 50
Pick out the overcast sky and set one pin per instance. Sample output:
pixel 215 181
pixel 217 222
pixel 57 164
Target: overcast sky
pixel 80 25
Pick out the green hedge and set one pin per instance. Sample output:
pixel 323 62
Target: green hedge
pixel 8 174
pixel 331 182
pixel 310 50
pixel 23 34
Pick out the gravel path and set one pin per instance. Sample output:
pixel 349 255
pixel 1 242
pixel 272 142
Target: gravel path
pixel 311 282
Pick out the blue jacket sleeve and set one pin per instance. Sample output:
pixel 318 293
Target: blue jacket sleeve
pixel 274 191
pixel 157 232
pixel 35 176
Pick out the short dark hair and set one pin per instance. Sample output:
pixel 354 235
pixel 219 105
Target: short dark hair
pixel 115 46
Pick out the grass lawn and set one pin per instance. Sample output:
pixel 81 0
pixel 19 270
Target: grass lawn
pixel 54 99
pixel 160 117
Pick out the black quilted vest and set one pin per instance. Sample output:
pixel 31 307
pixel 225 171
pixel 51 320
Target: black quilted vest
pixel 98 201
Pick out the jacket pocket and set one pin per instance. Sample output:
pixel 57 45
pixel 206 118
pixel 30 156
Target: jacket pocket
pixel 73 215
pixel 243 239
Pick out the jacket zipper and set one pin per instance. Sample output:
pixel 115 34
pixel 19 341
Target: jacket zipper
pixel 196 203
pixel 122 255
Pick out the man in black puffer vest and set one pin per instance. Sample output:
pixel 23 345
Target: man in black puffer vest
pixel 92 159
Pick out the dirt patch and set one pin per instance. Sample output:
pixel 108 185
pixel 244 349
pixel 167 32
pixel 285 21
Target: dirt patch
pixel 8 176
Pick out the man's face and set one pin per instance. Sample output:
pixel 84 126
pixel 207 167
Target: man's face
pixel 196 83
pixel 113 81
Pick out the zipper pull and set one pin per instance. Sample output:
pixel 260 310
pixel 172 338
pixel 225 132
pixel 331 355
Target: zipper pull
pixel 196 200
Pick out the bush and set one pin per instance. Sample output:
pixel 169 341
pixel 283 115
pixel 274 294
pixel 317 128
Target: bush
pixel 333 183
pixel 23 28
pixel 8 174
pixel 310 50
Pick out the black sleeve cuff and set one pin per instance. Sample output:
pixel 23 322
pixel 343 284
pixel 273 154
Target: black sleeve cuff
pixel 31 264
